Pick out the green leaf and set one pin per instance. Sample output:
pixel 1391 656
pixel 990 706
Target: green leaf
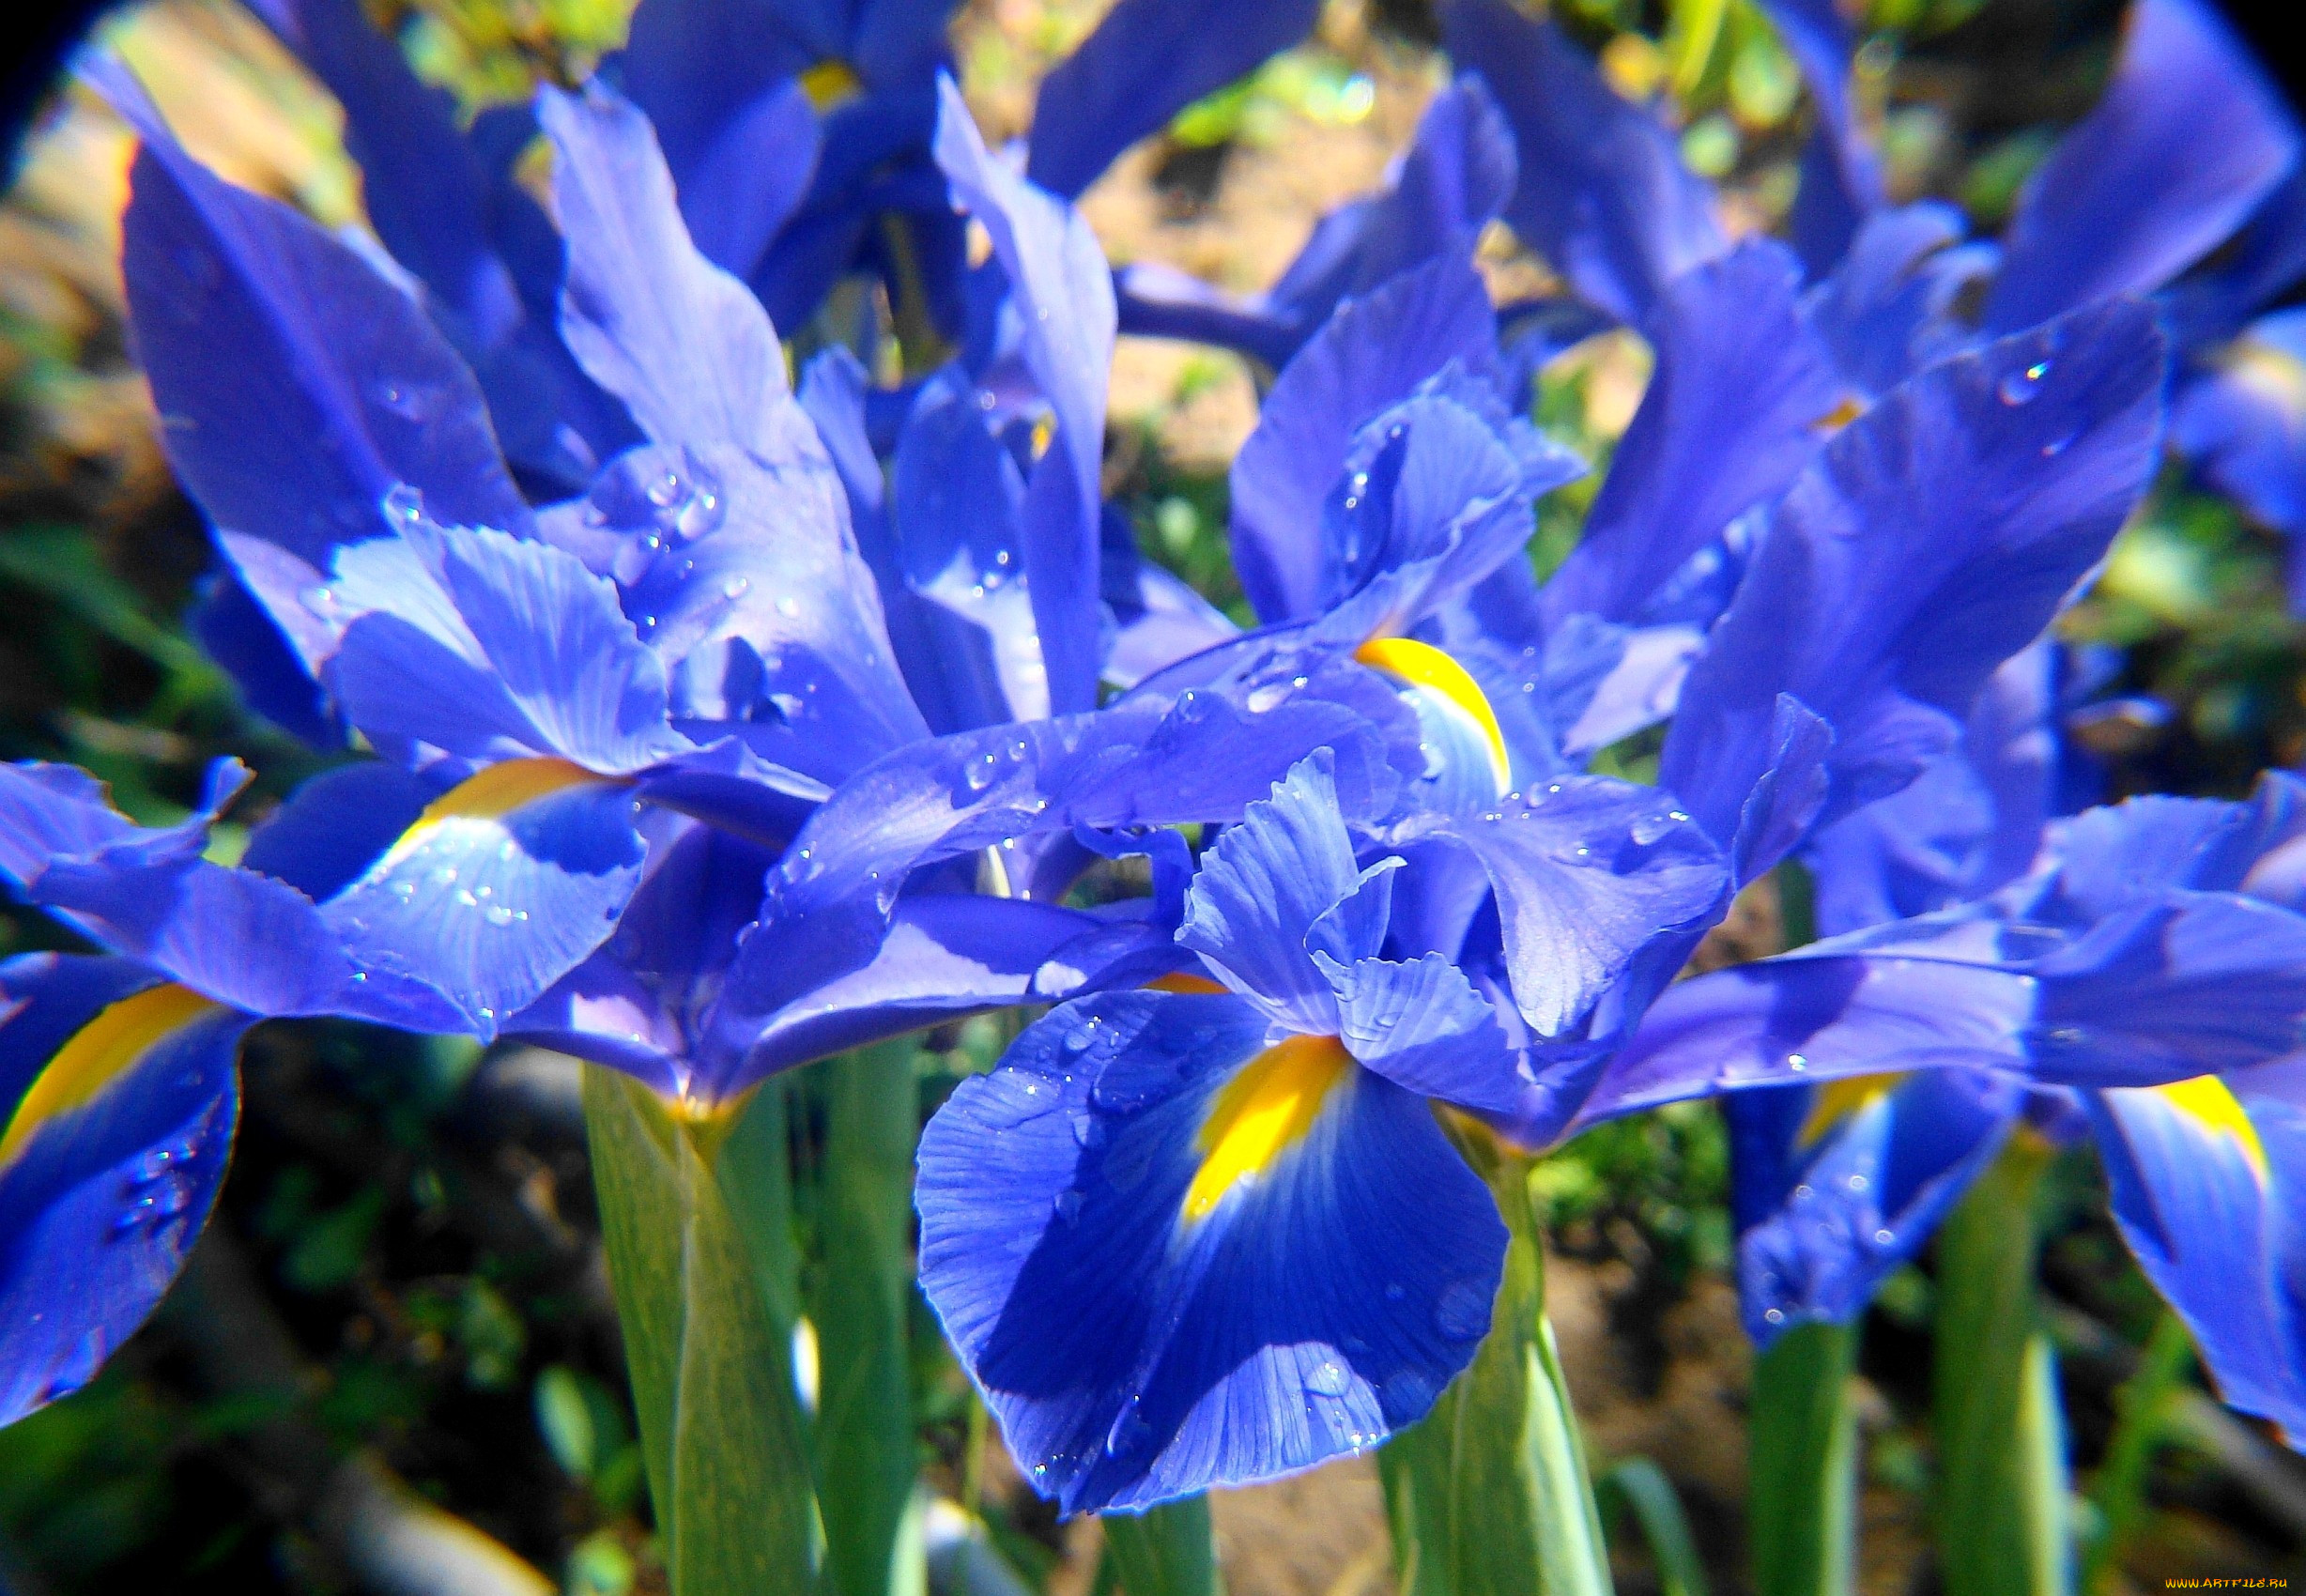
pixel 2002 1518
pixel 1651 1498
pixel 1801 1502
pixel 1488 1495
pixel 721 1430
pixel 866 1455
pixel 2145 1410
pixel 1168 1551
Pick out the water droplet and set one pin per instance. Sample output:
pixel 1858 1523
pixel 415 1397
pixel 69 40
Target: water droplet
pixel 403 506
pixel 2021 385
pixel 1856 1183
pixel 1804 1193
pixel 1797 1063
pixel 1463 1313
pixel 735 587
pixel 1067 1207
pixel 1129 1433
pixel 787 607
pixel 1884 1238
pixel 496 914
pixel 1328 1378
pixel 1774 1315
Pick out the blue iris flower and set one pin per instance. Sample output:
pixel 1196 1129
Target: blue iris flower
pixel 1214 1233
pixel 116 1071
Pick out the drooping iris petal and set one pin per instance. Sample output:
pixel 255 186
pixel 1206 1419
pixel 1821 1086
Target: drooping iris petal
pixel 684 345
pixel 1261 888
pixel 1588 871
pixel 2187 138
pixel 1370 355
pixel 2202 1187
pixel 1423 1027
pixel 1173 1258
pixel 1836 1186
pixel 340 389
pixel 120 1096
pixel 501 886
pixel 1731 414
pixel 1602 194
pixel 1934 536
pixel 1146 61
pixel 1063 292
pixel 539 659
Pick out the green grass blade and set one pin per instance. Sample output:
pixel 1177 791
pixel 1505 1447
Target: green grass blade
pixel 1656 1507
pixel 2145 1410
pixel 867 1457
pixel 723 1440
pixel 1170 1550
pixel 1802 1500
pixel 2002 1519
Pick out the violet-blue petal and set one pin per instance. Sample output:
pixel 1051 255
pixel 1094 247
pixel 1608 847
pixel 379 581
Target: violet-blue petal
pixel 1731 414
pixel 1885 307
pixel 1603 194
pixel 2188 137
pixel 2242 421
pixel 1146 61
pixel 1262 886
pixel 1839 153
pixel 1133 1354
pixel 101 1198
pixel 684 345
pixel 336 825
pixel 1063 291
pixel 340 390
pixel 1826 1207
pixel 2203 1187
pixel 1423 1026
pixel 234 630
pixel 1935 535
pixel 1588 872
pixel 1372 354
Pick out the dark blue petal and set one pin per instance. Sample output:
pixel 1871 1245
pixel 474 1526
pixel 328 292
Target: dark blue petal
pixel 1885 309
pixel 1146 61
pixel 110 1162
pixel 1063 291
pixel 546 662
pixel 1732 414
pixel 2187 138
pixel 684 345
pixel 1135 1354
pixel 1936 535
pixel 1172 622
pixel 1603 194
pixel 339 389
pixel 1828 1201
pixel 2203 1186
pixel 1588 872
pixel 233 629
pixel 499 889
pixel 1262 887
pixel 1371 355
pixel 1838 154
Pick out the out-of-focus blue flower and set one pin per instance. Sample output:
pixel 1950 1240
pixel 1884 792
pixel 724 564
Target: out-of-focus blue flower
pixel 1196 1237
pixel 116 1072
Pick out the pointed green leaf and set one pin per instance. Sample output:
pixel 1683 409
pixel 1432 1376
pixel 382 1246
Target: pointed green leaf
pixel 1802 1440
pixel 1656 1506
pixel 1170 1550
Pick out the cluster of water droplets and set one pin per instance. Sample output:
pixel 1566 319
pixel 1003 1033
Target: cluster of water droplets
pixel 158 1189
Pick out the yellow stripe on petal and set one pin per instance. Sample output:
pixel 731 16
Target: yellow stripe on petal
pixel 1190 985
pixel 2211 1104
pixel 831 84
pixel 1263 1112
pixel 100 1052
pixel 1835 1101
pixel 1422 666
pixel 495 792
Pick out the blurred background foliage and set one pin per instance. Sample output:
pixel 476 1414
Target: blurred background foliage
pixel 405 1281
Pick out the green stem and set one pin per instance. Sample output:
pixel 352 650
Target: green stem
pixel 1169 1551
pixel 691 1212
pixel 1489 1494
pixel 2143 1408
pixel 1802 1496
pixel 867 1457
pixel 2001 1520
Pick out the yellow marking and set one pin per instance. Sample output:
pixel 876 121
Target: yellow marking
pixel 491 795
pixel 1262 1112
pixel 1835 1101
pixel 1188 985
pixel 830 85
pixel 1421 665
pixel 2271 372
pixel 1840 415
pixel 2211 1104
pixel 99 1053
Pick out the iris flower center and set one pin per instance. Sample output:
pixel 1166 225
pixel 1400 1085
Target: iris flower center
pixel 1267 1108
